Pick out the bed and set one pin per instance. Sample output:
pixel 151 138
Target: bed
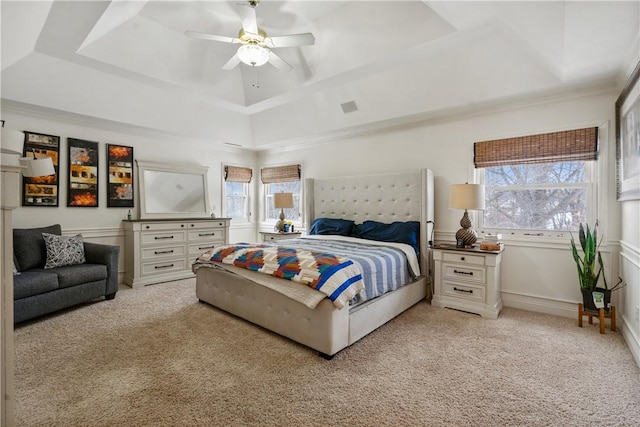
pixel 260 298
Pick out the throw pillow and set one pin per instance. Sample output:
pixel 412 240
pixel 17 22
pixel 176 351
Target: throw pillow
pixel 63 250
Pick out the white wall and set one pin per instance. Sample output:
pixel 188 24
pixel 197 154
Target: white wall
pixel 537 275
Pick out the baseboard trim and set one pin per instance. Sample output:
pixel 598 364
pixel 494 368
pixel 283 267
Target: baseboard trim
pixel 631 338
pixel 539 304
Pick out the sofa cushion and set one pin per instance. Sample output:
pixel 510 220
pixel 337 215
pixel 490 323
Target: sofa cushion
pixel 34 282
pixel 63 250
pixel 73 275
pixel 29 248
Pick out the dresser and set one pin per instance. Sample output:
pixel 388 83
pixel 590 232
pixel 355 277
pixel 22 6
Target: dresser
pixel 164 250
pixel 467 279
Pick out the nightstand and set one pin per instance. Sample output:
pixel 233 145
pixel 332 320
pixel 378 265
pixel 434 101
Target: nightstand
pixel 272 236
pixel 467 279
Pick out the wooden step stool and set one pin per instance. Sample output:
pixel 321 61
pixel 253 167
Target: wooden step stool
pixel 601 314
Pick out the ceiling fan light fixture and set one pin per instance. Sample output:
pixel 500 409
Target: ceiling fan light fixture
pixel 253 54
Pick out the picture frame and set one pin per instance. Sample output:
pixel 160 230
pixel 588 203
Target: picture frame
pixel 83 173
pixel 628 139
pixel 120 188
pixel 41 190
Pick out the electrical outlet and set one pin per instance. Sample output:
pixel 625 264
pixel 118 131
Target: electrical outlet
pixel 637 313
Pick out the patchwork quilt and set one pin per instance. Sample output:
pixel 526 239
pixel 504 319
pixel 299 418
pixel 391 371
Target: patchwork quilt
pixel 335 276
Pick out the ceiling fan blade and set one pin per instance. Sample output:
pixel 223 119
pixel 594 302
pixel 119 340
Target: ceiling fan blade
pixel 249 22
pixel 290 40
pixel 278 62
pixel 198 35
pixel 232 63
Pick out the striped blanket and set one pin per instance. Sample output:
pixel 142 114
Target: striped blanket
pixel 384 266
pixel 335 276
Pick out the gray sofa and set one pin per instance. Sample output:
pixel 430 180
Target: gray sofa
pixel 38 291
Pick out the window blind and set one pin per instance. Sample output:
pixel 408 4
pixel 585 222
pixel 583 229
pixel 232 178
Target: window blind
pixel 569 145
pixel 276 174
pixel 237 174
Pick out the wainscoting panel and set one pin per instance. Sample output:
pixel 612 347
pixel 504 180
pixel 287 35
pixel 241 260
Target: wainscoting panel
pixel 629 260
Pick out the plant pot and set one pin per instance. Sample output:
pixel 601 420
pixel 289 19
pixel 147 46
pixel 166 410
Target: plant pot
pixel 588 300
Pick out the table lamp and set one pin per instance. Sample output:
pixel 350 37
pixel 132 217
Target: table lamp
pixel 466 196
pixel 282 201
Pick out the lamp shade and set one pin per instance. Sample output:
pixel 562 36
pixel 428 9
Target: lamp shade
pixel 41 166
pixel 253 54
pixel 12 141
pixel 283 200
pixel 466 196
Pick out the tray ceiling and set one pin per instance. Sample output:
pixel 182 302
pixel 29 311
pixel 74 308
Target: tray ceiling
pixel 130 64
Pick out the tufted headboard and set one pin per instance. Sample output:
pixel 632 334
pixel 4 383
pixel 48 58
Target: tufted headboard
pixel 406 196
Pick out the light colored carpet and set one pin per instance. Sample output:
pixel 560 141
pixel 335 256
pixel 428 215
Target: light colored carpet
pixel 158 357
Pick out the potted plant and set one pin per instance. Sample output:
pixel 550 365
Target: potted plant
pixel 588 271
pixel 590 268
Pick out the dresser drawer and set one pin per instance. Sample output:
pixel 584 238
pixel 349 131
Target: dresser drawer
pixel 207 235
pixel 167 237
pixel 462 258
pixel 208 224
pixel 470 292
pixel 200 248
pixel 161 267
pixel 467 273
pixel 150 254
pixel 152 226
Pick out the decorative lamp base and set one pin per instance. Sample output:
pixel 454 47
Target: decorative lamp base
pixel 467 234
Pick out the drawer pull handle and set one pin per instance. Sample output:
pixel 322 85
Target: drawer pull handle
pixel 468 291
pixel 201 248
pixel 468 273
pixel 157 267
pixel 206 234
pixel 163 252
pixel 461 258
pixel 163 237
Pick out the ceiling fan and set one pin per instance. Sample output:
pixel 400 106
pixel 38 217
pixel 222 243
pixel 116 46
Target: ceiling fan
pixel 256 45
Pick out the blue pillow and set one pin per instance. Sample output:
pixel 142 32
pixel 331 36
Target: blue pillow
pixel 340 227
pixel 399 232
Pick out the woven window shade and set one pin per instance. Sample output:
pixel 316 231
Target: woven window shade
pixel 237 174
pixel 569 145
pixel 280 174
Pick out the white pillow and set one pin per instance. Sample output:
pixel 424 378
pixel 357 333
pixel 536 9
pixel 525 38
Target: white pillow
pixel 63 250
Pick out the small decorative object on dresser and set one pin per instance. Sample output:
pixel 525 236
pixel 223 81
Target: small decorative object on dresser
pixel 467 279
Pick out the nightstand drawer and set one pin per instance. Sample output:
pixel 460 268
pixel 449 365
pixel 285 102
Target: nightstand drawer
pixel 470 292
pixel 463 258
pixel 466 273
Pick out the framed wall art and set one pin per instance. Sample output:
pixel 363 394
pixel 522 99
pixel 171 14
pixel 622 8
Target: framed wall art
pixel 83 173
pixel 628 139
pixel 41 190
pixel 119 176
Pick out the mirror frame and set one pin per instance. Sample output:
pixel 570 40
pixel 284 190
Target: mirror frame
pixel 197 170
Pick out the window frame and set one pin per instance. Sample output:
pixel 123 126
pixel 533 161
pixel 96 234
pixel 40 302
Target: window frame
pixel 248 219
pixel 590 184
pixel 270 223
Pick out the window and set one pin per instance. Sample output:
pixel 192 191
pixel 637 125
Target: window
pixel 282 179
pixel 236 192
pixel 541 182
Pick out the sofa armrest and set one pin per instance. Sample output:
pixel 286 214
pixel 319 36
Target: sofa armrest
pixel 108 255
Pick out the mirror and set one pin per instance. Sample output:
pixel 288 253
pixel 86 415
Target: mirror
pixel 172 191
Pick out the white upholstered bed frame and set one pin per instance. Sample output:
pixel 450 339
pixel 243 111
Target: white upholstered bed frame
pixel 386 198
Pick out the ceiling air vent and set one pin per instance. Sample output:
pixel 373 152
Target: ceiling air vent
pixel 349 107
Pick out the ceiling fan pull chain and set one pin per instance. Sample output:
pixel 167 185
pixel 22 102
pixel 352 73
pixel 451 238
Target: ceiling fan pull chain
pixel 257 83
